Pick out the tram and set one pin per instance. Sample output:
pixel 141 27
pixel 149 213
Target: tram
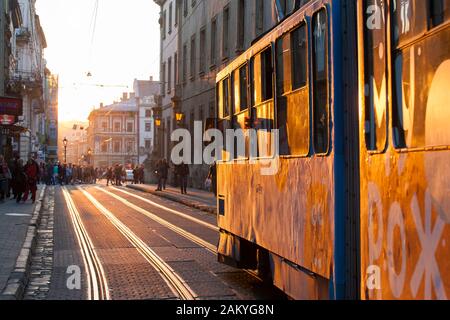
pixel 357 96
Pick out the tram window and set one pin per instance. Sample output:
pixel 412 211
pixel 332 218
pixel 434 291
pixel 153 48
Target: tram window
pixel 283 48
pixel 320 91
pixel 421 100
pixel 439 12
pixel 266 75
pixel 375 63
pixel 262 78
pixel 226 98
pixel 292 93
pixel 299 58
pixel 243 85
pixel 410 20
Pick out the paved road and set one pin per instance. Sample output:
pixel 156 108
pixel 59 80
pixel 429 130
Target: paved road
pixel 130 245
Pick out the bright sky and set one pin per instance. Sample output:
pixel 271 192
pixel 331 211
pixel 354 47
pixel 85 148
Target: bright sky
pixel 125 47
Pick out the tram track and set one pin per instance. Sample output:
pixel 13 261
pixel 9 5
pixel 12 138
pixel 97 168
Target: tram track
pixel 96 279
pixel 175 282
pixel 184 233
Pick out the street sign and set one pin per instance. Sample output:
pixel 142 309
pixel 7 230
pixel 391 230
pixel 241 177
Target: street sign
pixel 11 106
pixel 7 119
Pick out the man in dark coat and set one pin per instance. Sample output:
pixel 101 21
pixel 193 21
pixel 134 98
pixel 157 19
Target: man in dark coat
pixel 183 173
pixel 20 180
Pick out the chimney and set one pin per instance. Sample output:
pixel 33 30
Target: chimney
pixel 125 96
pixel 101 105
pixel 151 78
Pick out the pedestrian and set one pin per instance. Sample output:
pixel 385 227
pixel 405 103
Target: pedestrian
pixel 183 173
pixel 212 176
pixel 158 173
pixel 118 175
pixel 141 175
pixel 32 172
pixel 164 173
pixel 55 174
pixel 5 176
pixel 20 180
pixel 69 174
pixel 109 176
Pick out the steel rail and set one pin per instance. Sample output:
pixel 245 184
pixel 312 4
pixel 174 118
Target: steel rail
pixel 174 281
pixel 97 284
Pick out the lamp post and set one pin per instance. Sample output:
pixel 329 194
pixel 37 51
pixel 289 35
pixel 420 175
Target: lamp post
pixel 65 141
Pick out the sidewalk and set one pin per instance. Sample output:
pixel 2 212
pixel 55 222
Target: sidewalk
pixel 198 199
pixel 17 235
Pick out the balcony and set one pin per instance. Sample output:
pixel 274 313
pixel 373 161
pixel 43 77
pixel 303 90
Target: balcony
pixel 23 35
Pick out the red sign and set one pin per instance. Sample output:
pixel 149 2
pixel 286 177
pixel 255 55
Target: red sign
pixel 11 106
pixel 7 119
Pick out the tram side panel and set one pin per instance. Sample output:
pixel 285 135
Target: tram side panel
pixel 405 183
pixel 290 214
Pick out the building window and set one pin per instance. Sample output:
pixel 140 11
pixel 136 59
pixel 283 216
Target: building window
pixel 193 3
pixel 148 113
pixel 117 146
pixel 163 21
pixel 177 13
pixel 170 17
pixel 185 8
pixel 130 127
pixel 163 79
pixel 193 57
pixel 175 69
pixel 185 57
pixel 148 144
pixel 259 16
pixel 148 127
pixel 130 146
pixel 241 25
pixel 202 67
pixel 104 126
pixel 169 76
pixel 213 41
pixel 226 32
pixel 117 127
pixel 104 148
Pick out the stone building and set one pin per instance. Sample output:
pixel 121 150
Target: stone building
pixel 26 79
pixel 113 133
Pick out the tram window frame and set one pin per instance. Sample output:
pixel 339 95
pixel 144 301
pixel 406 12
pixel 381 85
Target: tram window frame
pixel 286 64
pixel 410 139
pixel 373 144
pixel 226 93
pixel 315 97
pixel 240 103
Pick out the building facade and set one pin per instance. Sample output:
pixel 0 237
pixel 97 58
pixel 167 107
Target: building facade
pixel 28 83
pixel 146 93
pixel 113 134
pixel 201 37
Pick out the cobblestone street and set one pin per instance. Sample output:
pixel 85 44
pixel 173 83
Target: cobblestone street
pixel 132 245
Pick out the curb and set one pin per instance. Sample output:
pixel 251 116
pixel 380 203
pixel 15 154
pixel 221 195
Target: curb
pixel 195 205
pixel 18 280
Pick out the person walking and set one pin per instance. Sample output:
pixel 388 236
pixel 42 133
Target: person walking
pixel 20 180
pixel 164 174
pixel 55 174
pixel 212 176
pixel 32 172
pixel 109 176
pixel 5 176
pixel 183 173
pixel 69 174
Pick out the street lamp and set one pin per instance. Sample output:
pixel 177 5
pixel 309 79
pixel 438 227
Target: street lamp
pixel 65 141
pixel 89 155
